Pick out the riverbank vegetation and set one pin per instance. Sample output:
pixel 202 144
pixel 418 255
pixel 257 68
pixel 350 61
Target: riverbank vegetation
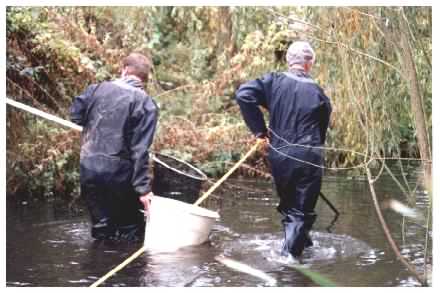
pixel 373 62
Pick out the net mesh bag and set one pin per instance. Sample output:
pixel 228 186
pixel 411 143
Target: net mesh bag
pixel 176 179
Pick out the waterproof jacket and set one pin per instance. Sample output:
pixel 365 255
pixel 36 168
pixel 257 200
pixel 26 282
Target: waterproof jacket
pixel 299 111
pixel 299 114
pixel 119 121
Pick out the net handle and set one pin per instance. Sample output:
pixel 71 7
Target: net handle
pixel 221 180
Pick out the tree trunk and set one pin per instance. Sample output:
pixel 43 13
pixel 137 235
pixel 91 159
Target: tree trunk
pixel 416 99
pixel 225 36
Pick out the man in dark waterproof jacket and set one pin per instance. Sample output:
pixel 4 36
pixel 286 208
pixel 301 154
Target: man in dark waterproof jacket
pixel 119 121
pixel 299 114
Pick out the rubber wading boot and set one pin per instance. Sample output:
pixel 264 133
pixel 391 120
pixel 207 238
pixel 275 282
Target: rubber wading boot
pixel 132 233
pixel 296 232
pixel 103 229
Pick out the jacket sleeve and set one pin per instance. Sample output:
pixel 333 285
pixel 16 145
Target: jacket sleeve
pixel 249 96
pixel 325 117
pixel 78 110
pixel 143 122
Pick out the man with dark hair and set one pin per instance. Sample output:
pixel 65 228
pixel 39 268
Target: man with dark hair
pixel 138 65
pixel 119 121
pixel 299 116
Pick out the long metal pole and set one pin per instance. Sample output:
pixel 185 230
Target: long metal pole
pixel 45 115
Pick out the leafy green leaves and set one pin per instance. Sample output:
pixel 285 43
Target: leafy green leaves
pixel 319 279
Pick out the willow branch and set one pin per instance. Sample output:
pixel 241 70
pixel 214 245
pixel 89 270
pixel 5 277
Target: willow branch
pixel 387 232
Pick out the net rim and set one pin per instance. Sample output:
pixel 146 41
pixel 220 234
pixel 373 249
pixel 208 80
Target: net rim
pixel 202 177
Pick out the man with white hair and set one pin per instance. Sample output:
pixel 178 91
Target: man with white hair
pixel 299 117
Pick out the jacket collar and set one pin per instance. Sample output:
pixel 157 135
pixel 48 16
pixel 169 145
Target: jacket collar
pixel 132 81
pixel 299 76
pixel 299 72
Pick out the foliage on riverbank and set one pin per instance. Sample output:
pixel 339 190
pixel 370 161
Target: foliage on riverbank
pixel 201 55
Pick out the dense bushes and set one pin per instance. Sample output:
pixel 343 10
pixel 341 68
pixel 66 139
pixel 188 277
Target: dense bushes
pixel 201 54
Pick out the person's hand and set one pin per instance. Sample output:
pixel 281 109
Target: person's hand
pixel 146 201
pixel 263 139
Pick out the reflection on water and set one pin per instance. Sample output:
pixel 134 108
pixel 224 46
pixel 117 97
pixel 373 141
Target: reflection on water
pixel 47 246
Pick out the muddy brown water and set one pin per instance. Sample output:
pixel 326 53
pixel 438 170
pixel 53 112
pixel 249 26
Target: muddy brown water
pixel 47 245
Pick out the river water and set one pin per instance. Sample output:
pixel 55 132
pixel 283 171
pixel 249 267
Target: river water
pixel 49 245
